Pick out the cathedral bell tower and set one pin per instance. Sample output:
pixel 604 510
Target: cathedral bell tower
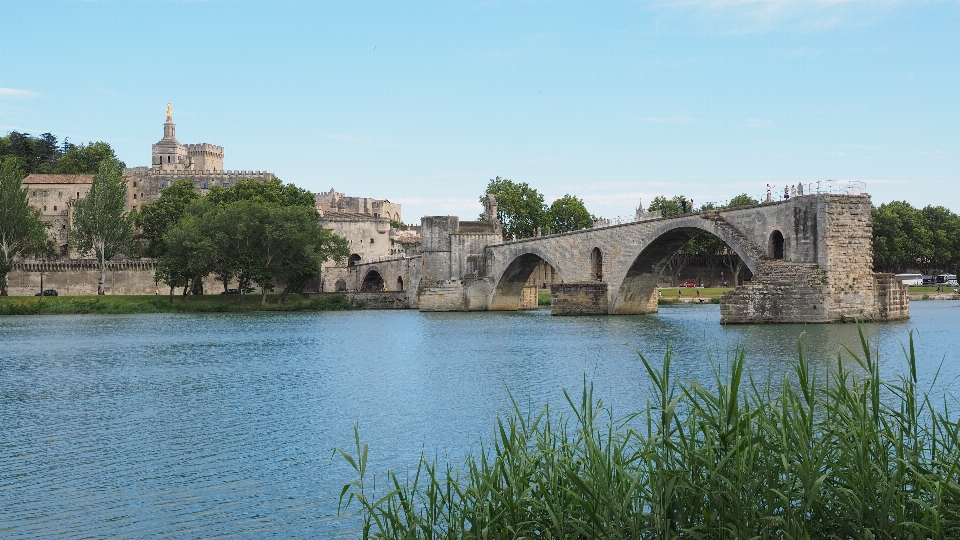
pixel 168 153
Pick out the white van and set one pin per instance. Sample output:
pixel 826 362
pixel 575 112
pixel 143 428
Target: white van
pixel 947 279
pixel 914 280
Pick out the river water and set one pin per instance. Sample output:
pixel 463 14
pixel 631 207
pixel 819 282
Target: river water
pixel 225 425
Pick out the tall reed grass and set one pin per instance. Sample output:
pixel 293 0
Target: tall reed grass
pixel 845 455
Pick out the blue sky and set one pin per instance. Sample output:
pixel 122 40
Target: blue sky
pixel 423 102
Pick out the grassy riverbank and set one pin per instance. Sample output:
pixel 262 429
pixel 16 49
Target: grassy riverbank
pixel 709 295
pixel 68 305
pixel 842 454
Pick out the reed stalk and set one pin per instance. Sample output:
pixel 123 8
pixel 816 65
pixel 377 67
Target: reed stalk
pixel 845 455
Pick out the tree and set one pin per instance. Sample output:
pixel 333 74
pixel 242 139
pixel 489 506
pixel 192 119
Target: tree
pixel 21 231
pixel 85 158
pixel 100 223
pixel 568 214
pixel 520 208
pixel 272 190
pixel 154 219
pixel 666 207
pixel 742 200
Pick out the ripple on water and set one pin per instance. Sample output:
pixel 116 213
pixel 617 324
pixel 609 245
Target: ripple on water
pixel 205 425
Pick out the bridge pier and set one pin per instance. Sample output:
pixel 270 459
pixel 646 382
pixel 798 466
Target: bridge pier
pixel 581 298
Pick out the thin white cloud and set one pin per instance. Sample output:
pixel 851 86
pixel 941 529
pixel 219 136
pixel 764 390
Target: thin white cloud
pixel 755 16
pixel 17 93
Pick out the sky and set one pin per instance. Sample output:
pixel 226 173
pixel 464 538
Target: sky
pixel 422 103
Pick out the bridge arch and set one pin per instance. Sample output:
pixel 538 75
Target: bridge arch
pixel 635 291
pixel 372 281
pixel 509 286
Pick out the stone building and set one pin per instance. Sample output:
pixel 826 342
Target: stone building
pixel 56 194
pixel 333 202
pixel 201 163
pixel 170 155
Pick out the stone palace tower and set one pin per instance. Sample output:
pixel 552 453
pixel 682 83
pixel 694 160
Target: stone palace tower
pixel 170 155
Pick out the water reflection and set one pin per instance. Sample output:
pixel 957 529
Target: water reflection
pixel 199 425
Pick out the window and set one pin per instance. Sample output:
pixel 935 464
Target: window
pixel 44 208
pixel 134 183
pixel 134 196
pixel 371 240
pixel 44 193
pixel 168 159
pixel 60 194
pixel 204 185
pixel 78 194
pixel 163 185
pixel 34 194
pixel 54 208
pixel 226 184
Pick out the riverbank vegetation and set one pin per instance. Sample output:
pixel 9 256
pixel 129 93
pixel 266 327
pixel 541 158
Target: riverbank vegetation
pixel 125 304
pixel 842 454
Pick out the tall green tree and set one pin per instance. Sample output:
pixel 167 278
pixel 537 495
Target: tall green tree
pixel 85 158
pixel 568 214
pixel 272 191
pixel 21 231
pixel 154 219
pixel 742 200
pixel 520 208
pixel 101 225
pixel 666 207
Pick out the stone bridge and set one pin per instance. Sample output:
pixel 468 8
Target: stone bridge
pixel 811 259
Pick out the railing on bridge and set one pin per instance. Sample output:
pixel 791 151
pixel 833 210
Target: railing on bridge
pixel 838 187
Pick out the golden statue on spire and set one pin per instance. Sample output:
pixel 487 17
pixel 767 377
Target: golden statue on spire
pixel 169 112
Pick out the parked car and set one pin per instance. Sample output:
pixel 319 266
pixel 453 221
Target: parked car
pixel 230 291
pixel 48 292
pixel 689 283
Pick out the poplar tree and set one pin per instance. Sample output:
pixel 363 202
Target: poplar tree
pixel 21 231
pixel 101 224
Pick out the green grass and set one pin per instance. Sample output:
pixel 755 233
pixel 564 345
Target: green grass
pixel 543 297
pixel 810 456
pixel 119 304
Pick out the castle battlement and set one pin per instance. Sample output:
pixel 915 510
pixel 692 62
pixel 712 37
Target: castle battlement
pixel 208 149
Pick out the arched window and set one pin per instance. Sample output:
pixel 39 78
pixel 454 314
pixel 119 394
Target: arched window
pixel 399 283
pixel 776 245
pixel 354 259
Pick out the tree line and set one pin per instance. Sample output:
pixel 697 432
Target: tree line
pixel 45 154
pixel 253 232
pixel 522 212
pixel 257 233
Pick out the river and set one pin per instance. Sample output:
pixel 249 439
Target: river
pixel 208 425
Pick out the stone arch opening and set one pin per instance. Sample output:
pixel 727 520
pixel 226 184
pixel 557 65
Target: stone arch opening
pixel 637 292
pixel 354 259
pixel 372 282
pixel 596 264
pixel 517 287
pixel 399 283
pixel 340 285
pixel 776 245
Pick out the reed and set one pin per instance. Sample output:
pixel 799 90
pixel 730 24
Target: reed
pixel 837 455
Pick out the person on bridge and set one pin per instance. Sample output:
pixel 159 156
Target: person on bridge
pixel 683 204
